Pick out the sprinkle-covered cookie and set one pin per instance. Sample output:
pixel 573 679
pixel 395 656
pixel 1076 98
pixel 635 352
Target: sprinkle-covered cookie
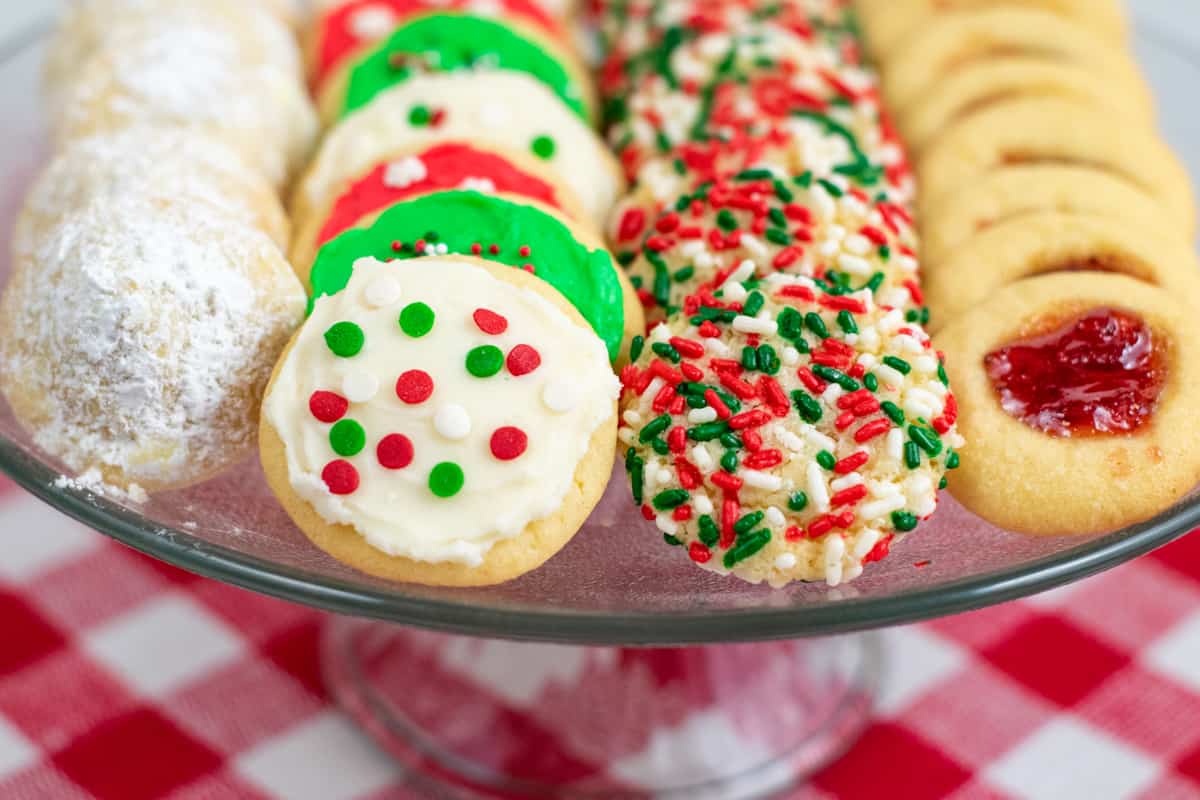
pixel 444 421
pixel 779 432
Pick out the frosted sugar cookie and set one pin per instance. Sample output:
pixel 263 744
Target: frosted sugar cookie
pixel 780 433
pixel 1078 398
pixel 1057 131
pixel 974 86
pixel 510 230
pixel 194 78
pixel 164 167
pixel 951 41
pixel 414 171
pixel 887 24
pixel 758 223
pixel 136 340
pixel 1010 192
pixel 443 421
pixel 518 36
pixel 507 109
pixel 1047 241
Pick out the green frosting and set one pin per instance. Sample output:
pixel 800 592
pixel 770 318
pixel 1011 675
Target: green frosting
pixel 445 42
pixel 460 219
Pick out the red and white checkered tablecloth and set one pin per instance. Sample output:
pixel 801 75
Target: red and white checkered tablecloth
pixel 123 678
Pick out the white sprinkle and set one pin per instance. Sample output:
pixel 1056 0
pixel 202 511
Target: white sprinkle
pixel 831 394
pixel 865 543
pixel 632 418
pixel 702 504
pixel 908 344
pixel 857 244
pixel 660 333
pixel 404 172
pixel 372 22
pixel 835 549
pixel 790 356
pixel 818 492
pixel 889 376
pixel 927 364
pixel 846 481
pixel 761 480
pixel 752 245
pixel 915 406
pixel 699 416
pixel 876 509
pixel 652 389
pixel 664 475
pixel 484 185
pixel 895 444
pixel 789 440
pixel 743 272
pixel 701 456
pixel 626 436
pixel 775 516
pixel 921 497
pixel 559 395
pixel 869 338
pixel 855 265
pixel 452 421
pixel 666 524
pixel 785 561
pixel 382 291
pixel 716 347
pixel 891 322
pixel 360 387
pixel 734 292
pixel 818 440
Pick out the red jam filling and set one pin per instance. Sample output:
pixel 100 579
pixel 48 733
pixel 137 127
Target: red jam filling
pixel 1097 374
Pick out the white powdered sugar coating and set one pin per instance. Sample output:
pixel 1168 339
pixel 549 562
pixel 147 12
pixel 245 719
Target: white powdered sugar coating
pixel 138 341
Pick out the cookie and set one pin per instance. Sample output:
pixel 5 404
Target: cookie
pixel 777 432
pixel 444 421
pixel 1056 131
pixel 162 167
pixel 510 230
pixel 423 169
pixel 197 78
pixel 1010 192
pixel 1048 241
pixel 136 339
pixel 887 24
pixel 1082 443
pixel 508 109
pixel 437 42
pixel 952 41
pixel 982 83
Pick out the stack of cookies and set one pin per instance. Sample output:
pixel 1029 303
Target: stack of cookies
pixel 786 417
pixel 1057 234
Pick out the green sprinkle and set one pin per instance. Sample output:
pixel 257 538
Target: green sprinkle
pixel 898 364
pixel 941 373
pixel 710 534
pixel 790 322
pixel 768 361
pixel 543 147
pixel 347 438
pixel 875 282
pixel 943 483
pixel 671 498
pixel 672 540
pixel 729 461
pixel 835 376
pixel 345 339
pixel 871 382
pixel 912 315
pixel 826 459
pixel 654 427
pixel 666 351
pixel 747 546
pixel 625 258
pixel 893 411
pixel 416 320
pixel 927 440
pixel 753 305
pixel 804 180
pixel 807 405
pixel 846 321
pixel 680 167
pixel 636 468
pixel 662 142
pixel 778 236
pixel 813 321
pixel 635 347
pixel 783 193
pixel 696 401
pixel 912 455
pixel 419 115
pixel 753 175
pixel 903 521
pixel 726 220
pixel 798 501
pixel 952 460
pixel 777 216
pixel 485 361
pixel 831 187
pixel 446 479
pixel 731 440
pixel 748 522
pixel 885 252
pixel 660 446
pixel 728 399
pixel 702 433
pixel 683 274
pixel 749 358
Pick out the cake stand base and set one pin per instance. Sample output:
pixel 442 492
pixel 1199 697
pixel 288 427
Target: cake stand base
pixel 480 718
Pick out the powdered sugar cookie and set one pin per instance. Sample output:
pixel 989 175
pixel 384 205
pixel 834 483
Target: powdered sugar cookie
pixel 507 109
pixel 781 433
pixel 951 41
pixel 197 79
pixel 136 340
pixel 887 24
pixel 443 421
pixel 511 230
pixel 163 167
pixel 974 86
pixel 413 171
pixel 1058 131
pixel 1047 241
pixel 1078 399
pixel 1010 192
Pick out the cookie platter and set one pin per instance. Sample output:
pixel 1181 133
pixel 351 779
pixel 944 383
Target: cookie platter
pixel 612 583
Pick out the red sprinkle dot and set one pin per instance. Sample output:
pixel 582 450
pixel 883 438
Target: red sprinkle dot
pixel 476 248
pixel 414 386
pixel 340 476
pixel 494 249
pixel 509 443
pixel 525 251
pixel 327 406
pixel 394 451
pixel 490 322
pixel 523 359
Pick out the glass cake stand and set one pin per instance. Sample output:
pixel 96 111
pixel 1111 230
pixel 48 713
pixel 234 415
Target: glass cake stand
pixel 638 674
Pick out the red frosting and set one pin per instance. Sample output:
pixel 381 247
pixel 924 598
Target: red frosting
pixel 338 41
pixel 446 167
pixel 1099 373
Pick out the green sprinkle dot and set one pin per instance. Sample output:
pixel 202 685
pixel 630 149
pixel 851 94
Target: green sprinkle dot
pixel 798 501
pixel 953 460
pixel 485 361
pixel 709 534
pixel 871 382
pixel 729 461
pixel 543 147
pixel 943 483
pixel 904 521
pixel 826 459
pixel 446 479
pixel 419 115
pixel 345 339
pixel 416 319
pixel 672 540
pixel 347 438
pixel 726 220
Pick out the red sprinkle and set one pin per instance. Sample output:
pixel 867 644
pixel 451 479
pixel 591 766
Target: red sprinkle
pixel 820 527
pixel 764 459
pixel 524 251
pixel 723 480
pixel 851 463
pixel 716 404
pixel 880 552
pixel 691 372
pixel 847 496
pixel 772 394
pixel 522 360
pixel 677 440
pixel 876 427
pixel 494 249
pixel 736 385
pixel 647 512
pixel 844 420
pixel 750 419
pixel 810 381
pixel 730 509
pixel 682 513
pixel 841 302
pixel 709 330
pixel 414 386
pixel 508 443
pixel 686 347
pixel 394 451
pixel 699 553
pixel 327 406
pixel 794 533
pixel 664 397
pixel 802 292
pixel 490 322
pixel 786 257
pixel 659 368
pixel 752 441
pixel 689 477
pixel 340 477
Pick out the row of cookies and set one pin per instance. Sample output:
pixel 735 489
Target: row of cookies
pixel 150 294
pixel 447 413
pixel 1057 247
pixel 786 417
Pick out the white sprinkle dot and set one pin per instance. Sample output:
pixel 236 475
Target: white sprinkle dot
pixel 360 387
pixel 559 396
pixel 372 22
pixel 785 561
pixel 404 172
pixel 452 421
pixel 382 291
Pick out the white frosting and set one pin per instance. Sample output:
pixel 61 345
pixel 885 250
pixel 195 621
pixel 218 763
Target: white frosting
pixel 394 509
pixel 507 108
